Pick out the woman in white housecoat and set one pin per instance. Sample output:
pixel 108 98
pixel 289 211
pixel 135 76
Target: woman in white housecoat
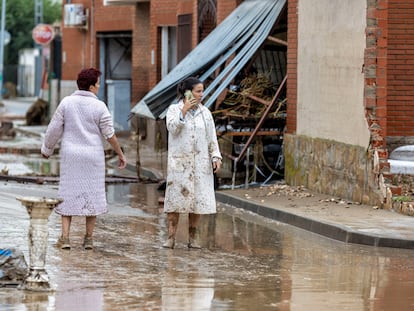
pixel 193 156
pixel 81 121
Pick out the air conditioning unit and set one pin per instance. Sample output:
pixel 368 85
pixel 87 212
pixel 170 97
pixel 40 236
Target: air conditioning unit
pixel 74 15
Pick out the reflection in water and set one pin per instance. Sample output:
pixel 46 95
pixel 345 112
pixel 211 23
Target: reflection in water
pixel 28 164
pixel 44 167
pixel 18 165
pixel 248 263
pixel 185 291
pixel 83 299
pixel 39 301
pixel 17 300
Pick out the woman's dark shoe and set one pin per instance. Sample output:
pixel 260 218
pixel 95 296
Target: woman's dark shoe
pixel 88 243
pixel 63 243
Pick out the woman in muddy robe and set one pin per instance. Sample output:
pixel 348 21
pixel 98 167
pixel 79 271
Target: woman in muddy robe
pixel 81 121
pixel 193 156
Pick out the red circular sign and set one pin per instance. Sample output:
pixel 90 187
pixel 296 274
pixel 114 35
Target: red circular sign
pixel 43 34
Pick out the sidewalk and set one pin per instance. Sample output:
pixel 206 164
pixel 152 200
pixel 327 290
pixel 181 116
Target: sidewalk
pixel 321 214
pixel 330 217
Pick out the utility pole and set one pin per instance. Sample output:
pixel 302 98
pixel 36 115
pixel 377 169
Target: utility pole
pixel 2 30
pixel 38 19
pixel 38 12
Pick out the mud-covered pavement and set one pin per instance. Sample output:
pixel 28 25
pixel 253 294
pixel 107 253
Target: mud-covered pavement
pixel 247 263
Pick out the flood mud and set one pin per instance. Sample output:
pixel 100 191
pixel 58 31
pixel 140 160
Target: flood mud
pixel 247 262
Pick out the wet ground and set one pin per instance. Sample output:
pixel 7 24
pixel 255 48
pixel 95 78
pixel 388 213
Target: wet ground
pixel 247 263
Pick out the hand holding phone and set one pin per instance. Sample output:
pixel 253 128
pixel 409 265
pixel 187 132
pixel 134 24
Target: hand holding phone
pixel 189 95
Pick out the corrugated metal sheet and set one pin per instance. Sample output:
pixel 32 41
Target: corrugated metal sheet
pixel 239 35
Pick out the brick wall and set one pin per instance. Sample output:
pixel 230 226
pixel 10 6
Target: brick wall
pixel 141 56
pixel 74 57
pixel 224 8
pixel 400 70
pixel 375 70
pixel 80 47
pixel 292 66
pixel 163 13
pixel 113 18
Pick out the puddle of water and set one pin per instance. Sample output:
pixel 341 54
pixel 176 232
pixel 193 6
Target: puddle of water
pixel 247 263
pixel 18 165
pixel 50 167
pixel 16 300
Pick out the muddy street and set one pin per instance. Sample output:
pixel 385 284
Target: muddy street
pixel 247 263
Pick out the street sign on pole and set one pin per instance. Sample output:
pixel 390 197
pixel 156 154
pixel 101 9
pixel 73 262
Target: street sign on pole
pixel 43 34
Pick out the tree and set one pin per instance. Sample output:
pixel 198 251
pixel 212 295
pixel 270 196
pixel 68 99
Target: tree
pixel 20 21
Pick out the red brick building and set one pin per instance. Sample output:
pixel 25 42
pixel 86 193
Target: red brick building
pixel 127 39
pixel 350 85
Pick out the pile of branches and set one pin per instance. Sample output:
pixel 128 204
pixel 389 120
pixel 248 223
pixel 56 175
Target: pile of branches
pixel 238 104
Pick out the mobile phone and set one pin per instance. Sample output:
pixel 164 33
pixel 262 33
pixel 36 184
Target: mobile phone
pixel 189 95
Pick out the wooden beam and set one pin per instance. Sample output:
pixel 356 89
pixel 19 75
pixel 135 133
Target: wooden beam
pixel 276 40
pixel 263 117
pixel 259 100
pixel 259 133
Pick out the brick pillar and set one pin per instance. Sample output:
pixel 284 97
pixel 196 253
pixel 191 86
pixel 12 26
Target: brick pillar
pixel 292 66
pixel 141 58
pixel 375 68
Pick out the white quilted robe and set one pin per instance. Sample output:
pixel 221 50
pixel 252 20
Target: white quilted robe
pixel 80 122
pixel 192 145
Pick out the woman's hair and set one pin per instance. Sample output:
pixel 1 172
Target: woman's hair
pixel 88 77
pixel 187 84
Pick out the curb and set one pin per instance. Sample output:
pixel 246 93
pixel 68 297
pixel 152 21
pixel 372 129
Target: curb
pixel 335 232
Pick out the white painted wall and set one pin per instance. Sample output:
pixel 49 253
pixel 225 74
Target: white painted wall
pixel 26 83
pixel 331 42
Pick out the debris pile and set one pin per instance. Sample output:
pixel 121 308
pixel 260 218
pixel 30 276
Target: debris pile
pixel 282 189
pixel 7 131
pixel 37 113
pixel 247 100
